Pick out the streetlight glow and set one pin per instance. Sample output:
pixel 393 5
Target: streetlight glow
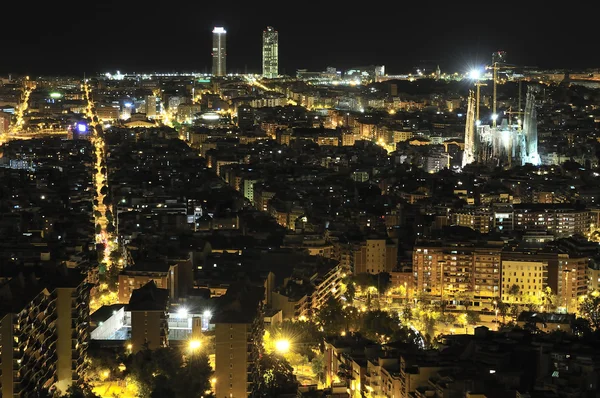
pixel 475 74
pixel 282 346
pixel 195 345
pixel 182 313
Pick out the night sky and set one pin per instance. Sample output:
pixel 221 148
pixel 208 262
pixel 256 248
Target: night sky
pixel 137 36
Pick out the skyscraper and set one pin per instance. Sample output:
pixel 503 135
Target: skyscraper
pixel 270 53
pixel 219 52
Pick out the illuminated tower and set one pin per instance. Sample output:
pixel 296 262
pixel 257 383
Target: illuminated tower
pixel 469 152
pixel 270 52
pixel 219 53
pixel 530 129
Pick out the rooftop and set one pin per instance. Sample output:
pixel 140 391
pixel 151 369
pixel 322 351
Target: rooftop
pixel 148 298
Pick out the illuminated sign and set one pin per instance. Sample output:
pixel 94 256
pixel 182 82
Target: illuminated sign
pixel 219 29
pixel 55 95
pixel 82 127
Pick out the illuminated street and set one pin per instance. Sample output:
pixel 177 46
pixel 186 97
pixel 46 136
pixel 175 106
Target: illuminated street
pixel 103 236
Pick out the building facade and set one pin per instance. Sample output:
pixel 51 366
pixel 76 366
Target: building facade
pixel 149 326
pixel 270 53
pixel 374 256
pixel 43 333
pixel 238 340
pixel 219 51
pixel 450 267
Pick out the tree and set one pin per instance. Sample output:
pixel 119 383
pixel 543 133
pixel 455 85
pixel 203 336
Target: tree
pixel 79 391
pixel 110 228
pixel 106 201
pixel 473 318
pixel 549 300
pixel 164 371
pixel 318 367
pixel 331 316
pixel 98 228
pixel 448 319
pixel 97 214
pixel 376 325
pixel 465 298
pixel 104 190
pixel 193 379
pixel 276 377
pixel 306 335
pixel 502 309
pixel 406 314
pixel 514 291
pixel 590 309
pixel 381 281
pixel 350 289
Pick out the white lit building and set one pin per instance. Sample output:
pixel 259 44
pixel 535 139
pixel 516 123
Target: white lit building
pixel 219 53
pixel 270 53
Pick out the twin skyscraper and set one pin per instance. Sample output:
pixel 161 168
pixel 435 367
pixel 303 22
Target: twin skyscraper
pixel 270 52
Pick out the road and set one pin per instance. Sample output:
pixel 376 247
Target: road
pixel 14 131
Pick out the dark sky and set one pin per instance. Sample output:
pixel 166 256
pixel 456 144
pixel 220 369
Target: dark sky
pixel 75 37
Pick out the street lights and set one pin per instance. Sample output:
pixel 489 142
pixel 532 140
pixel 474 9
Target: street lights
pixel 496 311
pixel 442 263
pixel 282 346
pixel 194 345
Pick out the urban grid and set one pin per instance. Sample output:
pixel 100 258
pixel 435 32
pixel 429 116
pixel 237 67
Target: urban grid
pixel 326 233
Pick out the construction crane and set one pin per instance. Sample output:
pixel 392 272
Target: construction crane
pixel 496 66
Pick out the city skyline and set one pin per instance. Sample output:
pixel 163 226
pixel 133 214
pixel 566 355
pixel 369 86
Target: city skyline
pixel 454 36
pixel 308 225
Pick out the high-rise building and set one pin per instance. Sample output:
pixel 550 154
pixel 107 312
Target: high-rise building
pixel 238 340
pixel 151 106
pixel 149 327
pixel 43 332
pixel 270 52
pixel 219 53
pixel 374 256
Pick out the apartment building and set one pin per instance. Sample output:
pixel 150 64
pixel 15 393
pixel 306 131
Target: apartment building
pixel 149 326
pixel 43 332
pixel 238 340
pixel 375 255
pixel 444 268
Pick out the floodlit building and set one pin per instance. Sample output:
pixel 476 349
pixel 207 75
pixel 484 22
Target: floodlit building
pixel 270 53
pixel 219 52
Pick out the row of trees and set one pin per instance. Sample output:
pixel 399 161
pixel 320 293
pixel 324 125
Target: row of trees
pixel 334 318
